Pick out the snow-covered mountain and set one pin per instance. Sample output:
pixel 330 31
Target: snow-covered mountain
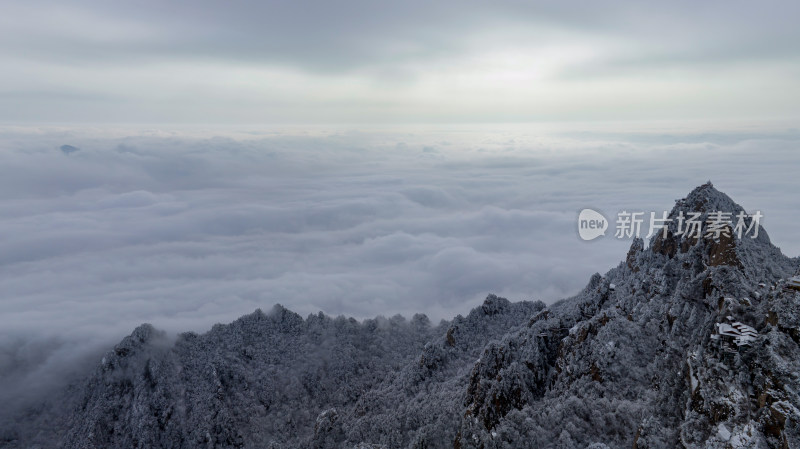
pixel 689 342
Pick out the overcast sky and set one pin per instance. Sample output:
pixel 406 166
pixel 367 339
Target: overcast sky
pixel 270 61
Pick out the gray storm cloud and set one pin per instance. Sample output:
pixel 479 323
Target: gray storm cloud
pixel 361 61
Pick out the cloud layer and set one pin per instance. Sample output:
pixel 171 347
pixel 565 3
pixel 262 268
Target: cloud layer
pixel 184 230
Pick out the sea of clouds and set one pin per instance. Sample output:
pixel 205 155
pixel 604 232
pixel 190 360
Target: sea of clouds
pixel 188 227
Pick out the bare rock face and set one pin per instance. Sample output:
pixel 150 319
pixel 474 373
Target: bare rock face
pixel 631 260
pixel 667 246
pixel 723 251
pixel 639 364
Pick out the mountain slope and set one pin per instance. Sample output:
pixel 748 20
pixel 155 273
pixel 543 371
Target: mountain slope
pixel 270 379
pixel 638 367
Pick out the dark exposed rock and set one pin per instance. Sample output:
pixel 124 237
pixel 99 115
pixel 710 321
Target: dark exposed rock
pixel 667 246
pixel 636 248
pixel 723 251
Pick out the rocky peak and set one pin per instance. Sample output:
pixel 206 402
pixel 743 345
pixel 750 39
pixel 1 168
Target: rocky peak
pixel 493 305
pixel 726 236
pixel 141 337
pixel 704 199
